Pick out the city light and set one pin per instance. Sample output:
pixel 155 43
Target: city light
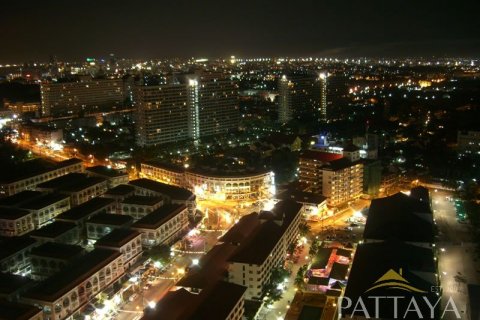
pixel 152 304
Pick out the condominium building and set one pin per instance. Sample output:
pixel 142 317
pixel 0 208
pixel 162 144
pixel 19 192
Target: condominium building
pixel 62 295
pixel 83 94
pixel 332 175
pixel 139 206
pixel 15 222
pixel 213 184
pixel 47 207
pixel 301 95
pixel 29 182
pixel 14 254
pixel 126 241
pixel 163 226
pixel 59 232
pixel 114 177
pixel 102 224
pixel 193 106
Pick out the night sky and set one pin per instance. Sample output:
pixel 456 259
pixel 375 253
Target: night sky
pixel 73 29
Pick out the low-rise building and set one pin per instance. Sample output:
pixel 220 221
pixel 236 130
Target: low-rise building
pixel 20 198
pixel 114 177
pixel 19 311
pixel 314 205
pixel 29 182
pixel 44 209
pixel 15 222
pixel 13 285
pixel 164 225
pixel 78 186
pixel 14 255
pixel 221 301
pixel 81 213
pixel 119 193
pixel 50 258
pixel 103 223
pixel 170 194
pixel 62 295
pixel 58 231
pixel 126 241
pixel 139 206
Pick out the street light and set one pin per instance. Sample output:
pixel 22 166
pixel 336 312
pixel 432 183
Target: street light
pixel 152 304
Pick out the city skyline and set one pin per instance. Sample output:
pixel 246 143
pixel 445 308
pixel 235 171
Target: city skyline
pixel 311 28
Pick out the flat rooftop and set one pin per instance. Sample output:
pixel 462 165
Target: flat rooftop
pixel 159 216
pixel 13 213
pixel 18 311
pixel 44 201
pixel 106 171
pixel 14 245
pixel 53 230
pixel 142 200
pixel 86 209
pixel 57 251
pixel 62 282
pixel 63 181
pixel 121 190
pixel 302 197
pixel 19 198
pixel 117 238
pixel 111 219
pixel 10 283
pixel 83 184
pixel 173 192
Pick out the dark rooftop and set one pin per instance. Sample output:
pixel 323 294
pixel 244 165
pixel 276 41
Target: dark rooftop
pixel 54 229
pixel 320 260
pixel 33 168
pixel 159 216
pixel 57 250
pixel 60 283
pixel 399 216
pixel 63 181
pixel 340 164
pixel 19 198
pixel 86 209
pixel 167 166
pixel 14 245
pixel 143 200
pixel 339 271
pixel 173 192
pixel 12 213
pixel 320 156
pixel 302 197
pixel 10 283
pixel 83 184
pixel 420 193
pixel 111 219
pixel 17 311
pixel 44 201
pixel 117 238
pixel 105 171
pixel 120 190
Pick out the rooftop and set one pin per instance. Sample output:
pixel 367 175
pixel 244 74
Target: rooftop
pixel 341 164
pixel 54 229
pixel 173 192
pixel 10 283
pixel 86 209
pixel 121 190
pixel 63 181
pixel 302 197
pixel 159 216
pixel 105 171
pixel 57 251
pixel 143 200
pixel 117 238
pixel 14 245
pixel 83 184
pixel 17 311
pixel 44 201
pixel 111 219
pixel 19 198
pixel 400 216
pixel 320 156
pixel 13 213
pixel 60 283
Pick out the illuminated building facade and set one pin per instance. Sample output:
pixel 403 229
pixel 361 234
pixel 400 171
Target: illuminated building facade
pixel 216 185
pixel 85 94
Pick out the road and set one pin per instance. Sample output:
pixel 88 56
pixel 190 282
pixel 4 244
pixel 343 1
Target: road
pixel 457 264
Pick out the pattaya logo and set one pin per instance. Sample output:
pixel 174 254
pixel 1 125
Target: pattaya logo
pixel 417 304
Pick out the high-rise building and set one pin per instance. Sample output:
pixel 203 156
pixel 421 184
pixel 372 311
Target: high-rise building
pixel 82 94
pixel 302 95
pixel 195 106
pixel 323 97
pixel 161 114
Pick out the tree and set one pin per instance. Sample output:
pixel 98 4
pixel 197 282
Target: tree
pixel 304 229
pixel 160 253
